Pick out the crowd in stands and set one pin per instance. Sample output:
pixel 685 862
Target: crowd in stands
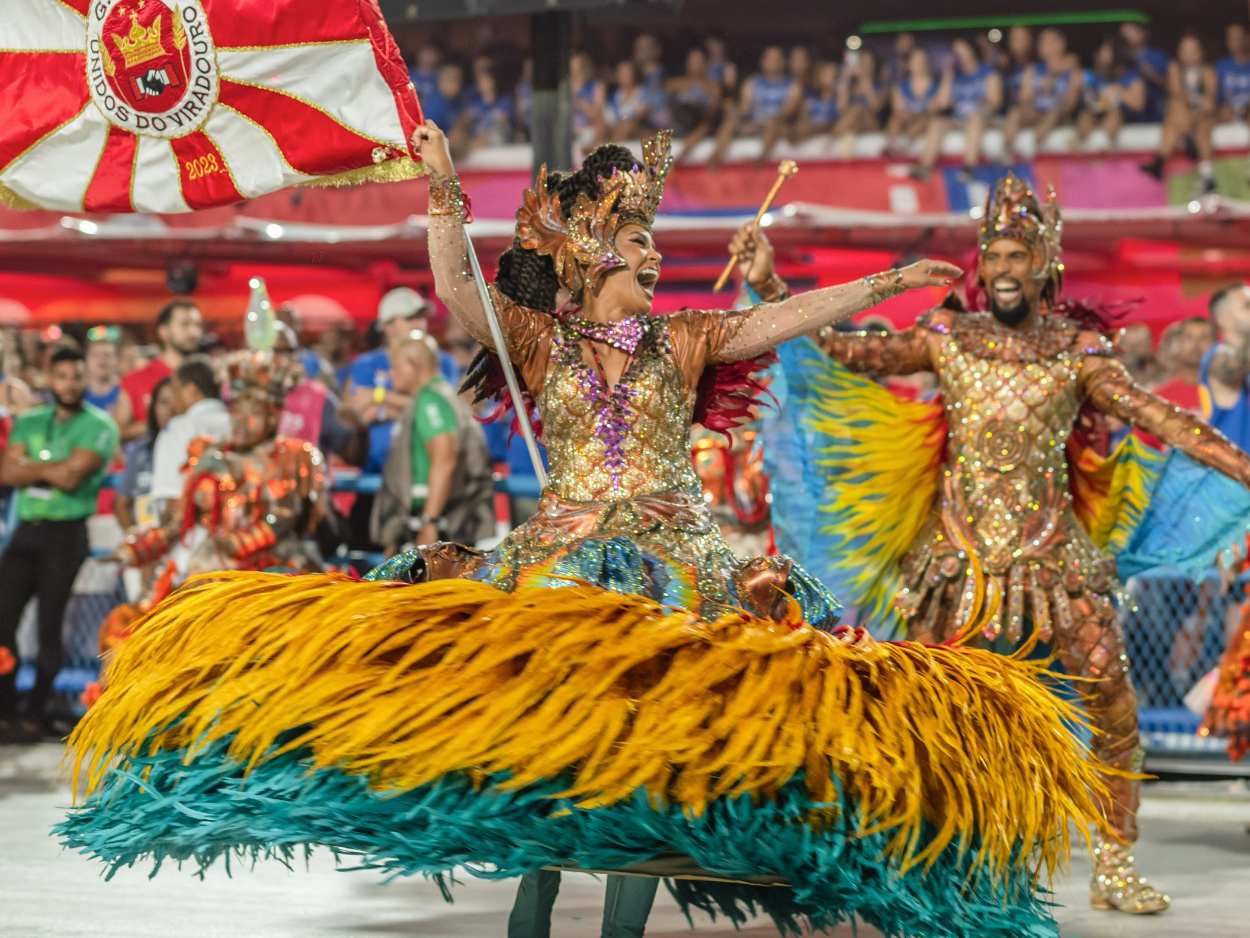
pixel 912 91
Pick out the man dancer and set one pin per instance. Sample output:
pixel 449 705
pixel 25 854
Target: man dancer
pixel 1013 380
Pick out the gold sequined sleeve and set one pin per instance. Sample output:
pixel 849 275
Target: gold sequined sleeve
pixel 525 330
pixel 1109 386
pixel 766 325
pixel 879 353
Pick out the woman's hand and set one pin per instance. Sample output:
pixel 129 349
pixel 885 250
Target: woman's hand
pixel 929 273
pixel 430 141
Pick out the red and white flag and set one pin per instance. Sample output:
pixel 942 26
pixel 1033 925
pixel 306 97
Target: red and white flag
pixel 176 105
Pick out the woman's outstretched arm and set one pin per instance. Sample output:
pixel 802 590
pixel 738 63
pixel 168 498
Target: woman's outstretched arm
pixel 449 256
pixel 766 325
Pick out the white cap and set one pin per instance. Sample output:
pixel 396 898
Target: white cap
pixel 401 303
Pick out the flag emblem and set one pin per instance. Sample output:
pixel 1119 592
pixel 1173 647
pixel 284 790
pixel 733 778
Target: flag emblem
pixel 175 105
pixel 151 66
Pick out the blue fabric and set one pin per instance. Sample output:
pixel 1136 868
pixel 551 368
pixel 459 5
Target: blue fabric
pixel 1194 513
pixel 768 96
pixel 425 84
pixel 103 401
pixel 1233 82
pixel 968 89
pixel 1234 421
pixel 1154 60
pixel 207 809
pixel 136 475
pixel 1044 100
pixel 821 110
pixel 916 102
pixel 795 491
pixel 372 369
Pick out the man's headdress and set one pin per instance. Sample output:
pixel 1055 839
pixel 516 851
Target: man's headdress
pixel 261 376
pixel 581 242
pixel 1012 211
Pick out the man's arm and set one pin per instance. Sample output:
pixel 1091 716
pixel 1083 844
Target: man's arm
pixel 1108 385
pixel 123 416
pixel 879 353
pixel 19 470
pixel 444 457
pixel 70 472
pixel 1227 371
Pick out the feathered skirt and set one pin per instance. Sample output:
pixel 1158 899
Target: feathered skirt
pixel 762 763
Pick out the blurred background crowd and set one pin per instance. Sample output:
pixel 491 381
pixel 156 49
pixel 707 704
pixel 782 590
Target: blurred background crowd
pixel 913 89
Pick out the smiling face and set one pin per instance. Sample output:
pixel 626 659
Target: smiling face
pixel 1007 270
pixel 629 290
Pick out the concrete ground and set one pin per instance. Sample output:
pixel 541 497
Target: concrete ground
pixel 1194 846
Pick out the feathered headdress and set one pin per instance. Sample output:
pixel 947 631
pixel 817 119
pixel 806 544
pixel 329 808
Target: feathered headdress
pixel 1012 211
pixel 581 242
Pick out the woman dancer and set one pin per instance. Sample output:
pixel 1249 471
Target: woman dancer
pixel 617 691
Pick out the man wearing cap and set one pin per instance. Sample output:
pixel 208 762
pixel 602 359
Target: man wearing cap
pixel 370 391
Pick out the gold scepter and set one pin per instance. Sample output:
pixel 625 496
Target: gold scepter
pixel 787 169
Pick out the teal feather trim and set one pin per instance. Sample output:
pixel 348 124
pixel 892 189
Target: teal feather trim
pixel 158 808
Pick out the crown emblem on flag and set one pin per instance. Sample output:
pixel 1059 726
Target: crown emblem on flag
pixel 142 45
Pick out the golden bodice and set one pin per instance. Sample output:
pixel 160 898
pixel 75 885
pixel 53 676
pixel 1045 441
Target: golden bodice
pixel 632 440
pixel 1011 403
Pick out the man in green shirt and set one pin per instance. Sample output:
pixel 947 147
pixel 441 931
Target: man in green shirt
pixel 55 459
pixel 436 481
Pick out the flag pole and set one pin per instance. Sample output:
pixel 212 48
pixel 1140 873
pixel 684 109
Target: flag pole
pixel 509 374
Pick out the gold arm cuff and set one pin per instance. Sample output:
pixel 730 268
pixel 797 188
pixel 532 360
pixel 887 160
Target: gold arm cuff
pixel 446 197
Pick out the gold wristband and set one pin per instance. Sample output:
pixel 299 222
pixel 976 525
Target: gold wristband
pixel 772 290
pixel 886 284
pixel 446 197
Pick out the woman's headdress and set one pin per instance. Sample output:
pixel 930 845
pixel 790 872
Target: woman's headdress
pixel 1012 211
pixel 580 242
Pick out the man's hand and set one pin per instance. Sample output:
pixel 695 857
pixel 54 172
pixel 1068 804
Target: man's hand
pixel 754 253
pixel 430 141
pixel 427 535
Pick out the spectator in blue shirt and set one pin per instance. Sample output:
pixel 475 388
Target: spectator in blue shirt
pixel 100 360
pixel 488 114
pixel 523 98
pixel 1018 60
pixel 647 56
pixel 862 97
pixel 1151 63
pixel 767 98
pixel 1232 77
pixel 444 104
pixel 1049 93
pixel 1113 92
pixel 424 75
pixel 1224 374
pixel 1190 113
pixel 914 113
pixel 590 97
pixel 971 93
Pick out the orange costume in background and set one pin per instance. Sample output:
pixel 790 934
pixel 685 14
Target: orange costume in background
pixel 243 507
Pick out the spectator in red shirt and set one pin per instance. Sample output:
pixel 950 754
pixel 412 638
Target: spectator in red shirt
pixel 1180 350
pixel 179 328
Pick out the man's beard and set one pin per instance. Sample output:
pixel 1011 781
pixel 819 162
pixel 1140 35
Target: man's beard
pixel 1008 315
pixel 69 403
